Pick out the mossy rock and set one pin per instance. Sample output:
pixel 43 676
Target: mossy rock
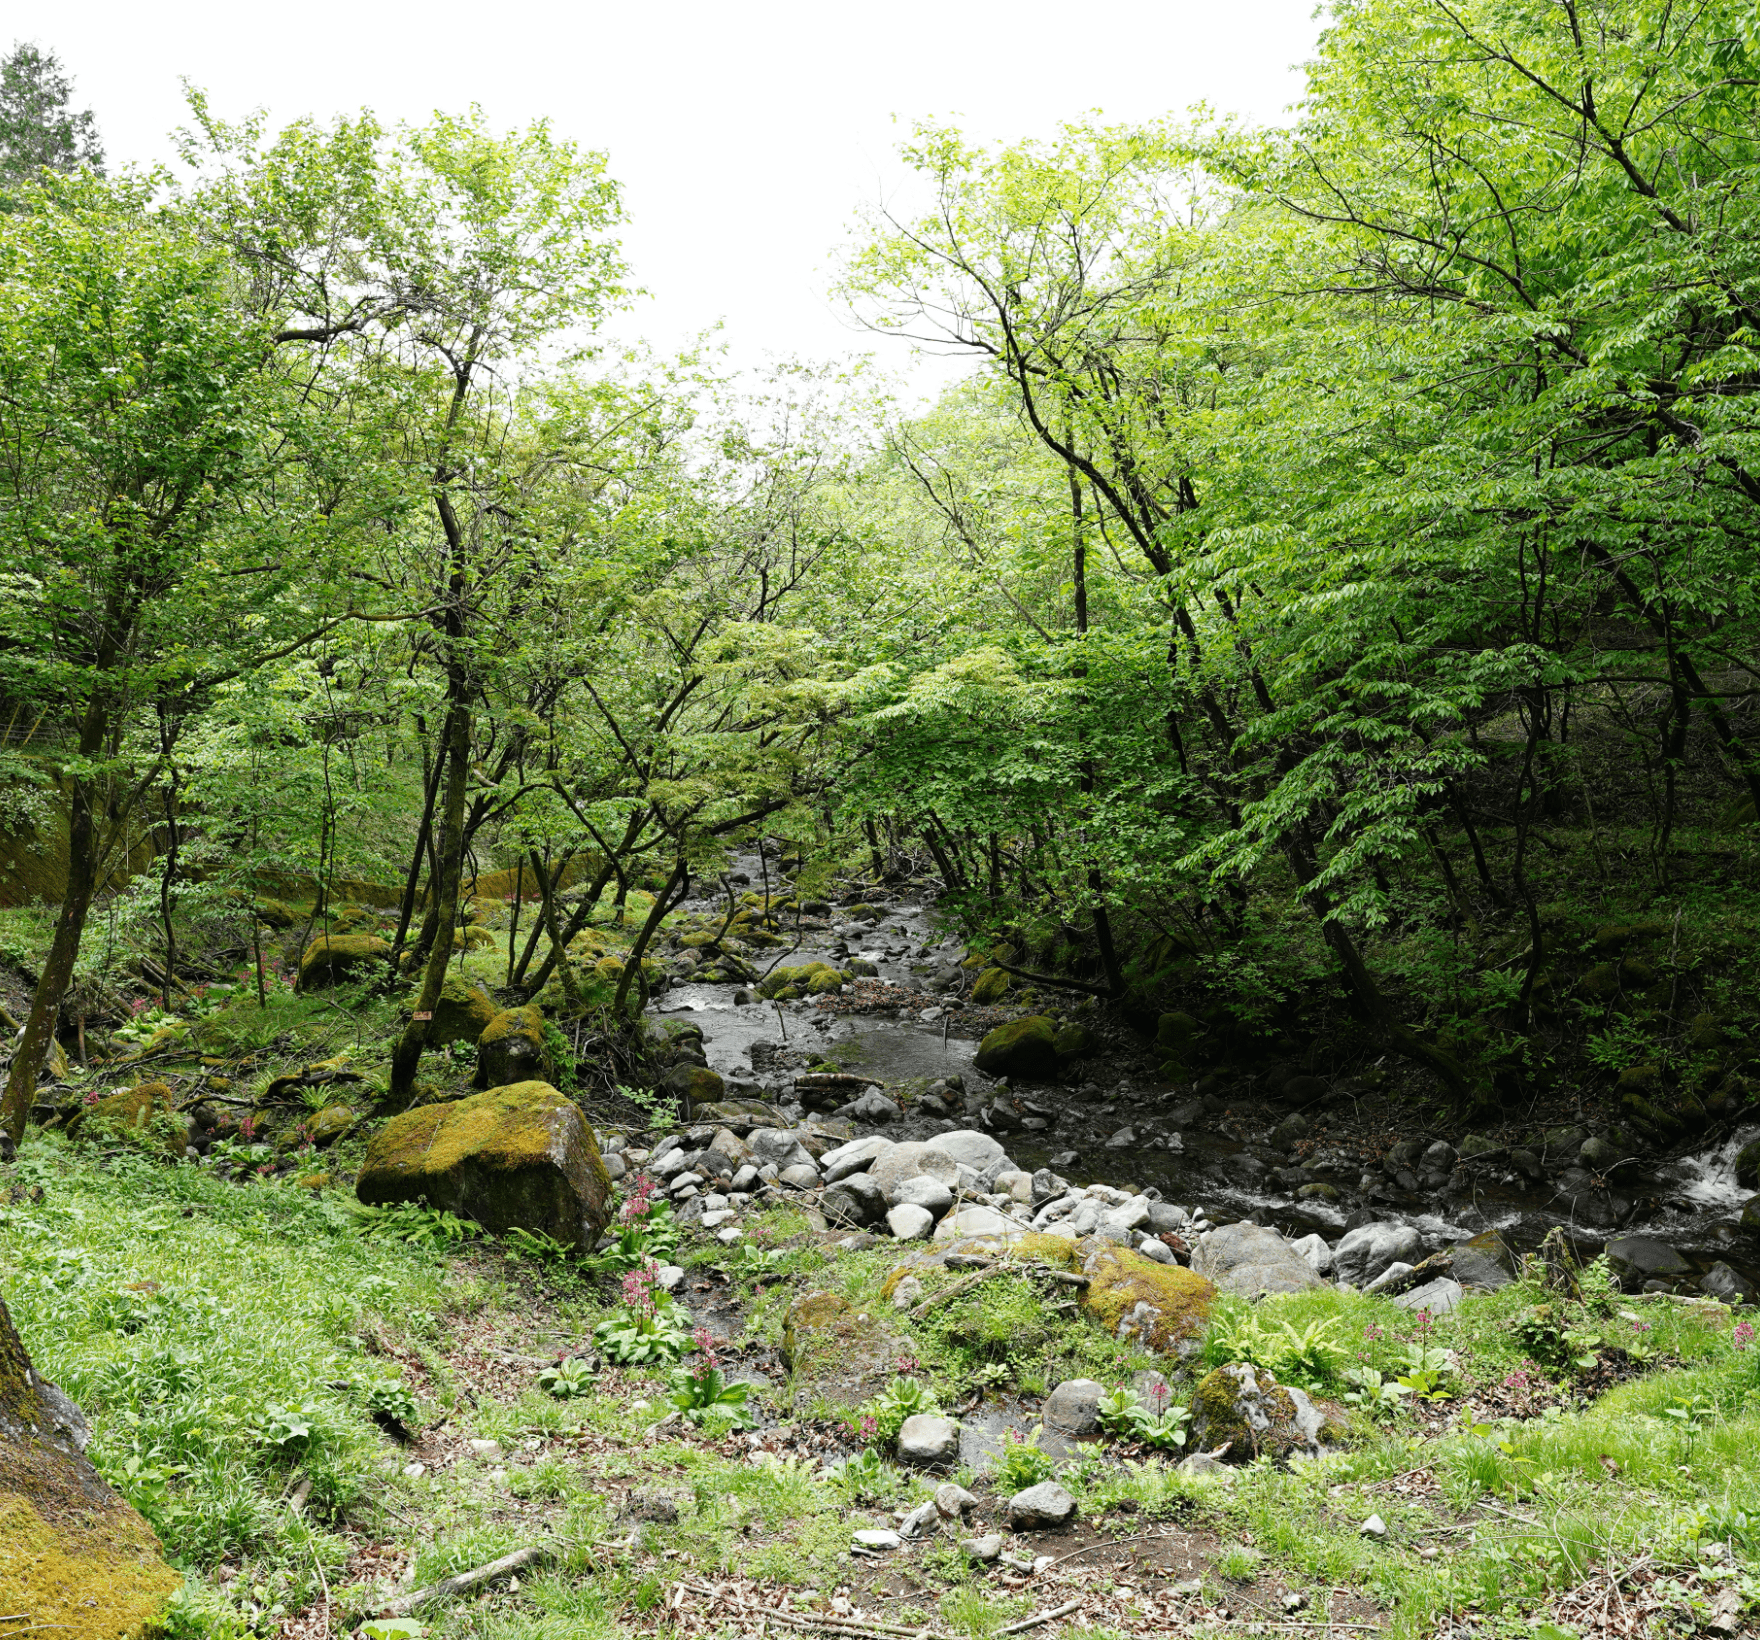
pixel 143 1115
pixel 1751 1213
pixel 1613 938
pixel 518 1157
pixel 695 1083
pixel 462 1014
pixel 1075 1042
pixel 333 957
pixel 825 982
pixel 1748 1165
pixel 1119 1280
pixel 992 986
pixel 836 1352
pixel 1249 1412
pixel 1025 1047
pixel 274 913
pixel 73 1555
pixel 511 1049
pixel 787 983
pixel 1600 983
pixel 1706 1033
pixel 696 942
pixel 1176 1031
pixel 328 1125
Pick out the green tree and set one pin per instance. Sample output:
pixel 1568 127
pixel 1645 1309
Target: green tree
pixel 39 129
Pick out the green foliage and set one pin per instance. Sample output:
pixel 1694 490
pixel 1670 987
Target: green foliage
pixel 701 1393
pixel 1123 1414
pixel 1310 1357
pixel 415 1224
pixel 904 1398
pixel 1021 1462
pixel 539 1247
pixel 572 1376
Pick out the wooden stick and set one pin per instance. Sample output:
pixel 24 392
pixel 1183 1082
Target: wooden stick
pixel 464 1582
pixel 1041 1617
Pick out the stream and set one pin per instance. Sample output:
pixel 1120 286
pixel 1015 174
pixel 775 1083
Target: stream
pixel 1692 1202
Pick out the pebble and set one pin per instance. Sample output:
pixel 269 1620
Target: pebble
pixel 489 1451
pixel 1374 1527
pixel 878 1539
pixel 986 1548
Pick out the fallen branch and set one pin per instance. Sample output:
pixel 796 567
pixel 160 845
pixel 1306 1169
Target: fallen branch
pixel 1000 1267
pixel 1037 1618
pixel 464 1582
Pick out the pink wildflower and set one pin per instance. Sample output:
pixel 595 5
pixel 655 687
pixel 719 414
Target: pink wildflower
pixel 91 1098
pixel 870 1426
pixel 705 1342
pixel 1743 1336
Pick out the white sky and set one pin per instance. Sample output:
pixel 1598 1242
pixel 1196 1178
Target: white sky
pixel 745 137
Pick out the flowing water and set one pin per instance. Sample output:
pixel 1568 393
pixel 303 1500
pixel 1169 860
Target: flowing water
pixel 1692 1202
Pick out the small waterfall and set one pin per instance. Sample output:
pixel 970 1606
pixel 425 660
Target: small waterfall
pixel 1708 1180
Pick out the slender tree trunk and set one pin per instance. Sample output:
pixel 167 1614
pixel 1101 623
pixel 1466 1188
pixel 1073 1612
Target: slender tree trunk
pixel 407 906
pixel 407 1055
pixel 547 881
pixel 632 967
pixel 83 847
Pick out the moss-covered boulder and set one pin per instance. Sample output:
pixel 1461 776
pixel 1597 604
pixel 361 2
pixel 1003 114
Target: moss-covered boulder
pixel 273 913
pixel 145 1114
pixel 695 1083
pixel 1247 1411
pixel 839 1354
pixel 992 986
pixel 1024 1047
pixel 328 1125
pixel 804 979
pixel 333 957
pixel 74 1557
pixel 1748 1165
pixel 511 1049
pixel 1132 1296
pixel 462 1014
pixel 1075 1042
pixel 514 1157
pixel 1175 1032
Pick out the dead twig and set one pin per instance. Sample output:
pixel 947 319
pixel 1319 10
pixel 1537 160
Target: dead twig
pixel 464 1582
pixel 1037 1618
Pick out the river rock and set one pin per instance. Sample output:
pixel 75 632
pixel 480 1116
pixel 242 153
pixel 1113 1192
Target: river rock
pixel 928 1438
pixel 780 1146
pixel 873 1107
pixel 802 1176
pixel 1362 1254
pixel 1439 1297
pixel 1250 1259
pixel 855 1157
pixel 73 1554
pixel 1731 1286
pixel 1073 1408
pixel 1637 1259
pixel 912 1160
pixel 518 1157
pixel 1164 1305
pixel 953 1501
pixel 854 1200
pixel 1487 1260
pixel 970 1148
pixel 977 1221
pixel 1025 1047
pixel 1314 1249
pixel 924 1192
pixel 1046 1504
pixel 983 1549
pixel 909 1222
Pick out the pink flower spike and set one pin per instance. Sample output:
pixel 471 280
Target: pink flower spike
pixel 1743 1335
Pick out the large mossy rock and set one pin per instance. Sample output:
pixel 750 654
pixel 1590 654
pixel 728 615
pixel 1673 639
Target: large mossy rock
pixel 837 1353
pixel 74 1557
pixel 511 1049
pixel 145 1114
pixel 992 986
pixel 1025 1047
pixel 696 1084
pixel 462 1014
pixel 519 1157
pixel 1161 1304
pixel 1252 1415
pixel 333 957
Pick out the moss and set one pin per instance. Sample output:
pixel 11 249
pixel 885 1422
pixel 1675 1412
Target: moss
pixel 331 957
pixel 609 968
pixel 329 1125
pixel 73 1555
pixel 837 1353
pixel 1175 1031
pixel 1075 1042
pixel 507 1157
pixel 991 987
pixel 274 913
pixel 145 1113
pixel 523 880
pixel 1022 1047
pixel 1119 1280
pixel 462 1014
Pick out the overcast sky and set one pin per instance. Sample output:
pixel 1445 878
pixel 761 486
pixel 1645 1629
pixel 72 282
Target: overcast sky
pixel 746 137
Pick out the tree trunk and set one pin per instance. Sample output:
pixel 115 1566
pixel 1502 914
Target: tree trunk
pixel 408 1053
pixel 632 966
pixel 83 846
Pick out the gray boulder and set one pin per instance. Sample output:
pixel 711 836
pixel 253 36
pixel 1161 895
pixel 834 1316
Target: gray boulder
pixel 1314 1249
pixel 1731 1286
pixel 910 1161
pixel 1046 1504
pixel 1637 1259
pixel 1250 1259
pixel 801 1176
pixel 1439 1297
pixel 929 1438
pixel 922 1191
pixel 1073 1408
pixel 777 1145
pixel 1369 1249
pixel 854 1157
pixel 908 1222
pixel 871 1107
pixel 966 1145
pixel 856 1200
